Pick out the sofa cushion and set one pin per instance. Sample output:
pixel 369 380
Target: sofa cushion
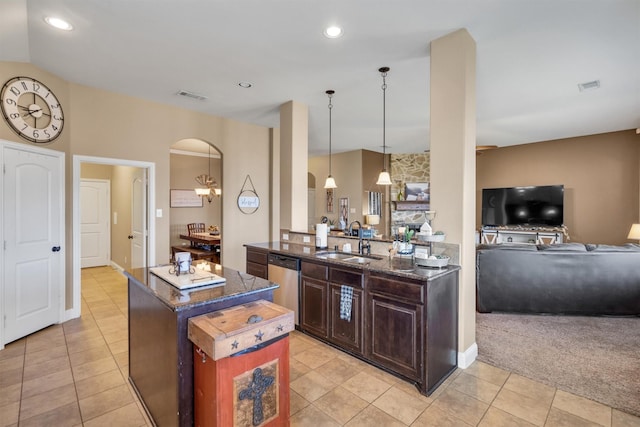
pixel 629 247
pixel 563 247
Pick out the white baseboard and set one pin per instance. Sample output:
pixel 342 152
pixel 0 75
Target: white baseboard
pixel 117 267
pixel 466 358
pixel 71 314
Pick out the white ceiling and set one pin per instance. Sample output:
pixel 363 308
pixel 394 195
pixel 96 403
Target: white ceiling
pixel 531 55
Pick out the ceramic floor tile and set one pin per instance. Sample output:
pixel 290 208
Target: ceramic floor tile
pixel 11 363
pixel 99 383
pixel 122 359
pixel 337 370
pixel 89 355
pixel 67 415
pixel 528 408
pixel 488 373
pixel 296 402
pixel 315 356
pixel 47 401
pixel 88 344
pixel 527 387
pixel 10 394
pixel 95 367
pixel 366 386
pixel 621 419
pixel 381 375
pixel 560 418
pixel 119 346
pixel 372 416
pixel 400 405
pixel 46 382
pixel 312 416
pixel 476 387
pixel 498 418
pixel 312 386
pixel 436 417
pixel 14 349
pixel 10 377
pixel 582 407
pixel 116 336
pixel 36 357
pixel 460 405
pixel 46 367
pixel 340 404
pixel 9 414
pixel 106 401
pixel 126 416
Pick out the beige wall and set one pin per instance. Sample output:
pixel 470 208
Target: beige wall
pixel 110 125
pixel 599 173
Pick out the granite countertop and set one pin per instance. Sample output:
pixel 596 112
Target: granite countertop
pixel 237 284
pixel 396 266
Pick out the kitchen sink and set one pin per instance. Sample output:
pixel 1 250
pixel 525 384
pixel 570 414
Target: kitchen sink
pixel 347 257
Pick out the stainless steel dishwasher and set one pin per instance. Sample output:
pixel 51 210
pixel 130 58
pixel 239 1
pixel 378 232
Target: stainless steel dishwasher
pixel 285 271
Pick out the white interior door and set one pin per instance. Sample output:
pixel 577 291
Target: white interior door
pixel 311 207
pixel 33 232
pixel 95 231
pixel 138 234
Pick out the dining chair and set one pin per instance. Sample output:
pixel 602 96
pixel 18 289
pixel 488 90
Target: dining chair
pixel 195 227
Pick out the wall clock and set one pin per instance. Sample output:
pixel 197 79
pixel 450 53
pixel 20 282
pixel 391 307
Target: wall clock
pixel 31 109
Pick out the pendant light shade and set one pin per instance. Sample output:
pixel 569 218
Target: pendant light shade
pixel 208 186
pixel 384 178
pixel 330 182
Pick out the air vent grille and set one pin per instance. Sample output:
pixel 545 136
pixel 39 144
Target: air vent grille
pixel 193 95
pixel 592 85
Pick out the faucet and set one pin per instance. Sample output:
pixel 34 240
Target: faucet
pixel 361 245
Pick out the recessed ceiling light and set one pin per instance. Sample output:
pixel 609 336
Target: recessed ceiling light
pixel 592 85
pixel 58 23
pixel 245 85
pixel 333 32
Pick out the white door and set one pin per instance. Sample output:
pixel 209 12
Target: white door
pixel 95 232
pixel 311 208
pixel 33 230
pixel 138 234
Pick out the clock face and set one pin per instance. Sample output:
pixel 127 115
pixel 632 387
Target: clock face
pixel 31 109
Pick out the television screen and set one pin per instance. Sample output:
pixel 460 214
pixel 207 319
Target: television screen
pixel 535 206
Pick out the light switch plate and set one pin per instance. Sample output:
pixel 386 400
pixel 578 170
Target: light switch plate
pixel 158 213
pixel 285 236
pixel 352 210
pixel 306 239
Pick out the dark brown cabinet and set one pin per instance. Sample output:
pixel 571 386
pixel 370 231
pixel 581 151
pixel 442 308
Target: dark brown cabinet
pixel 347 332
pixel 314 299
pixel 395 333
pixel 257 263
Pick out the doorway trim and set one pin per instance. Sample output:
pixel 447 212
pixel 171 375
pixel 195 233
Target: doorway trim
pixel 151 219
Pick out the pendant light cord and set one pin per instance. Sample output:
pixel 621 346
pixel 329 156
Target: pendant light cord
pixel 330 94
pixel 384 71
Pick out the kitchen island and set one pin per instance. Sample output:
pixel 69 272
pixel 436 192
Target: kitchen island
pixel 403 318
pixel 160 353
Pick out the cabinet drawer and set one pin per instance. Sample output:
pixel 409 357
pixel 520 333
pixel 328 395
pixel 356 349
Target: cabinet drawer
pixel 257 257
pixel 315 271
pixel 345 277
pixel 399 289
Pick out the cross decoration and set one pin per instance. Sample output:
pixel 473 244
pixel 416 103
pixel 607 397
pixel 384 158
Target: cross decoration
pixel 254 391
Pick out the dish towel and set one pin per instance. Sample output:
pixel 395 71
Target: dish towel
pixel 346 297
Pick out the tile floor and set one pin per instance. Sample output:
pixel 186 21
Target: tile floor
pixel 75 374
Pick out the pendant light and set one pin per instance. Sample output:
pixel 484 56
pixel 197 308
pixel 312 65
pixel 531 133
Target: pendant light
pixel 384 178
pixel 209 185
pixel 330 182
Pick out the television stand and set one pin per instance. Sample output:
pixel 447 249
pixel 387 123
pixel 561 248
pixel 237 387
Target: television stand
pixel 533 235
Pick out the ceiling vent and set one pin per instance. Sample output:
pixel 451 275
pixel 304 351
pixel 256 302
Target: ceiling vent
pixel 192 95
pixel 592 85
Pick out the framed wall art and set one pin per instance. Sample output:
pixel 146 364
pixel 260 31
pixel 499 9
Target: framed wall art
pixel 185 199
pixel 329 200
pixel 416 191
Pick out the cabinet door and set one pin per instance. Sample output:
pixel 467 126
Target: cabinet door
pixel 314 306
pixel 346 333
pixel 257 270
pixel 395 335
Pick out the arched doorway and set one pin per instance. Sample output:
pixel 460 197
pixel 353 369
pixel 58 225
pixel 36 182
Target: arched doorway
pixel 191 158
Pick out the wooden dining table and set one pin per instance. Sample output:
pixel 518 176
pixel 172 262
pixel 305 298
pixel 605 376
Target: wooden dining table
pixel 203 238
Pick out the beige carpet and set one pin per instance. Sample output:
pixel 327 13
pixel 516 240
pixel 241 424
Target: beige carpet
pixel 594 357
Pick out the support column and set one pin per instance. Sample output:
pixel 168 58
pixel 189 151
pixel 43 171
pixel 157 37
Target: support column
pixel 453 166
pixel 294 142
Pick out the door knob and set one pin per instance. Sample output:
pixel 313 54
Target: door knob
pixel 55 249
pixel 130 236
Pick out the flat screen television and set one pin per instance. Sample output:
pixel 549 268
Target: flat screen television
pixel 532 206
